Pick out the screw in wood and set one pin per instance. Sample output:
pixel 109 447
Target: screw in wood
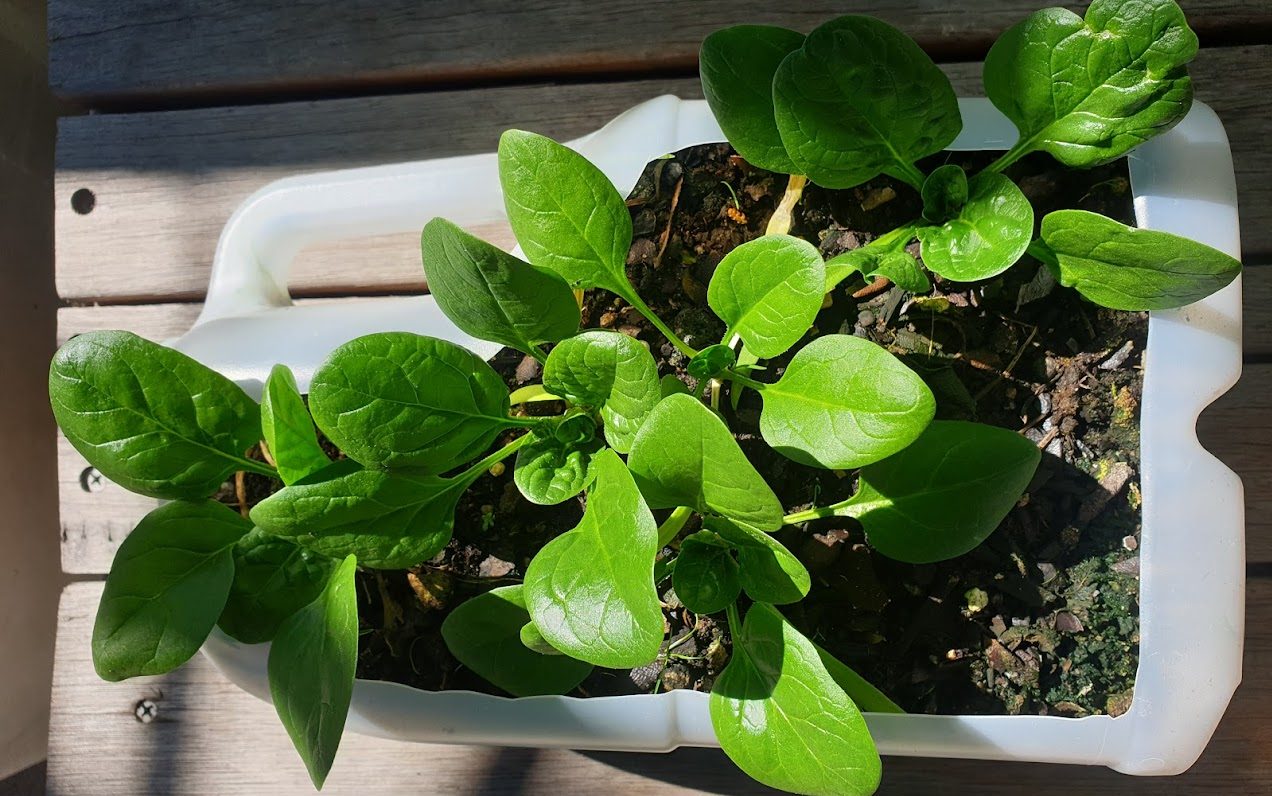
pixel 91 480
pixel 146 711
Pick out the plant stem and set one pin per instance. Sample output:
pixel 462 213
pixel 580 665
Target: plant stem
pixel 1041 252
pixel 672 525
pixel 733 375
pixel 260 468
pixel 538 353
pixel 1017 151
pixel 781 220
pixel 643 308
pixel 472 473
pixel 888 241
pixel 816 513
pixel 910 174
pixel 735 622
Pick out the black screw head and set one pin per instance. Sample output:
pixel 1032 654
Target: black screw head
pixel 91 480
pixel 146 711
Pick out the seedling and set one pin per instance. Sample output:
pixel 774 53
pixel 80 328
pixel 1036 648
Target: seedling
pixel 418 420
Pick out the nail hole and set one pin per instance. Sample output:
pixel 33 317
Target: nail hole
pixel 83 201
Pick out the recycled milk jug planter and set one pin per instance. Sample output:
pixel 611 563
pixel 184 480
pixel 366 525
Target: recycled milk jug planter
pixel 1192 553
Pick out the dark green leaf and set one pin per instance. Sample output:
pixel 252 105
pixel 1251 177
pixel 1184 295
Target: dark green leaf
pixel 685 455
pixel 945 493
pixel 484 634
pixel 988 235
pixel 550 471
pixel 944 193
pixel 737 65
pixel 710 361
pixel 492 295
pixel 768 291
pixel 1125 268
pixel 565 212
pixel 273 579
pixel 899 266
pixel 706 576
pixel 611 372
pixel 151 419
pixel 389 519
pixel 397 399
pixel 311 667
pixel 670 385
pixel 860 98
pixel 590 591
pixel 165 589
pixel 844 402
pixel 863 694
pixel 767 571
pixel 782 718
pixel 288 429
pixel 1088 91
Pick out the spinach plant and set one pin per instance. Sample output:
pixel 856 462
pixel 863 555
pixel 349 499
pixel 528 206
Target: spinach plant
pixel 417 420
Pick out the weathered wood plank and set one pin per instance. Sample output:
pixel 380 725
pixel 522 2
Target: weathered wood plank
pixel 165 183
pixel 210 737
pixel 148 48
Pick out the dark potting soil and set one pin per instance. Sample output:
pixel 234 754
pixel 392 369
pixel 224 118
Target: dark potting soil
pixel 1040 619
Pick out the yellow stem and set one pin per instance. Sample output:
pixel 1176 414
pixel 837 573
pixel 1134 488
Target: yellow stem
pixel 780 223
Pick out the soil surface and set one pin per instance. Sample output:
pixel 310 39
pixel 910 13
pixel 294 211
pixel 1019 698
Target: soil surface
pixel 1040 619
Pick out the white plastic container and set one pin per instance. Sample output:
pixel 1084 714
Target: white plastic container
pixel 1192 551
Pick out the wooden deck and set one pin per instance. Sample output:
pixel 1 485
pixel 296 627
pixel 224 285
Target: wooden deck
pixel 197 104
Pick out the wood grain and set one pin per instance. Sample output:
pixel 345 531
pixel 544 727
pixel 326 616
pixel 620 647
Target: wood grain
pixel 165 183
pixel 209 737
pixel 144 49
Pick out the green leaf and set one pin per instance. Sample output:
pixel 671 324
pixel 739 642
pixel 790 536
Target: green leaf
pixel 945 493
pixel 685 455
pixel 484 634
pixel 670 385
pixel 150 418
pixel 767 571
pixel 737 66
pixel 396 399
pixel 710 361
pixel 388 519
pixel 1089 91
pixel 1125 268
pixel 858 689
pixel 311 668
pixel 534 641
pixel 844 402
pixel 165 589
pixel 566 214
pixel 608 371
pixel 782 718
pixel 590 591
pixel 899 266
pixel 288 429
pixel 492 295
pixel 987 236
pixel 768 291
pixel 273 579
pixel 944 193
pixel 550 471
pixel 860 99
pixel 706 576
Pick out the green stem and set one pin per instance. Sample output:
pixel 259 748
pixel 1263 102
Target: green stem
pixel 735 622
pixel 673 524
pixel 260 468
pixel 1040 251
pixel 888 241
pixel 909 173
pixel 816 513
pixel 643 308
pixel 539 354
pixel 733 375
pixel 530 422
pixel 472 473
pixel 1017 151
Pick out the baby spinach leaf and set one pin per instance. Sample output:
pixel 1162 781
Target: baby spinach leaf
pixel 484 634
pixel 706 576
pixel 165 589
pixel 396 399
pixel 945 493
pixel 767 571
pixel 550 471
pixel 273 579
pixel 844 402
pixel 534 641
pixel 311 668
pixel 288 429
pixel 492 295
pixel 567 215
pixel 1125 268
pixel 389 519
pixel 899 266
pixel 685 455
pixel 782 718
pixel 608 371
pixel 710 361
pixel 860 98
pixel 590 591
pixel 859 689
pixel 150 418
pixel 768 291
pixel 670 385
pixel 944 193
pixel 737 65
pixel 1090 90
pixel 987 236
